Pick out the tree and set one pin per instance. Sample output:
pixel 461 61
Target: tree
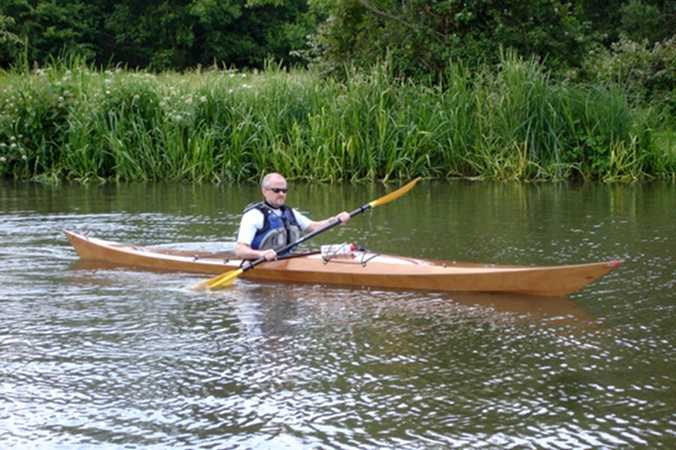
pixel 161 34
pixel 651 20
pixel 421 36
pixel 9 42
pixel 643 21
pixel 51 28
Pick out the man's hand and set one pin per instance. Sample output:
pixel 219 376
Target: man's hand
pixel 343 217
pixel 269 254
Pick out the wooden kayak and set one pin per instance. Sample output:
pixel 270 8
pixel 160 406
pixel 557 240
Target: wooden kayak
pixel 357 268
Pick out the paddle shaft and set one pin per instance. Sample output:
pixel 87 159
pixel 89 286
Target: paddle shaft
pixel 309 236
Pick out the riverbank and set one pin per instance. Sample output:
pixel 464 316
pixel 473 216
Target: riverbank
pixel 517 123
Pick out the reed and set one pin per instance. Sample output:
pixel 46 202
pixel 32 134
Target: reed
pixel 70 121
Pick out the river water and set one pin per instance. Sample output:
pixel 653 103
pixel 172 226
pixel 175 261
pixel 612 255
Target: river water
pixel 121 358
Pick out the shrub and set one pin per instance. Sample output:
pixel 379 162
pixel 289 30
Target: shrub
pixel 647 74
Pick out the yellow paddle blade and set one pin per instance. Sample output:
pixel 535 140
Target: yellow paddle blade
pixel 216 281
pixel 395 194
pixel 224 280
pixel 204 284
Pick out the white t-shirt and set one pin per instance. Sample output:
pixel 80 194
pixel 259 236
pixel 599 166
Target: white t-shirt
pixel 253 220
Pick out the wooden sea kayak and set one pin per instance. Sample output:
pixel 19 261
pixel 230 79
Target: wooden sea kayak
pixel 357 268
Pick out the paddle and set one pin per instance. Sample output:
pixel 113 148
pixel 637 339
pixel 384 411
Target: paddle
pixel 228 278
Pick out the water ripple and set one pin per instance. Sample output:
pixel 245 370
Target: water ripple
pixel 124 358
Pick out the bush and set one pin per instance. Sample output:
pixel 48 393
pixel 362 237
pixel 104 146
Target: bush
pixel 9 42
pixel 420 37
pixel 640 21
pixel 647 74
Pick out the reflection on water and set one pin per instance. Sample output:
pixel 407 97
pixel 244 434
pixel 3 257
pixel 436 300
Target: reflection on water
pixel 96 355
pixel 555 309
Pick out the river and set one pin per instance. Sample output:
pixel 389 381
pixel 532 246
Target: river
pixel 122 358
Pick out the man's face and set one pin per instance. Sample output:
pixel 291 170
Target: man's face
pixel 275 191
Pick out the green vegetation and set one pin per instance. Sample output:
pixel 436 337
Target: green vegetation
pixel 156 35
pixel 527 89
pixel 72 122
pixel 647 73
pixel 626 44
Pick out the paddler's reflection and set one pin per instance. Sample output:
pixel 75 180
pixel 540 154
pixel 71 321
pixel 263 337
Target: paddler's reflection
pixel 279 303
pixel 278 309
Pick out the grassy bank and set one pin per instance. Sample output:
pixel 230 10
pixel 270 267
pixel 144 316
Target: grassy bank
pixel 509 124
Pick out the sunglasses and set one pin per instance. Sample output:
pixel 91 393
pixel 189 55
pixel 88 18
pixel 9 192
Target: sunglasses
pixel 278 190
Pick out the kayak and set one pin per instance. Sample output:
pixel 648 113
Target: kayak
pixel 360 268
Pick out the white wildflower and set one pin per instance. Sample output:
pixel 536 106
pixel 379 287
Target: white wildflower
pixel 203 99
pixel 24 157
pixel 3 159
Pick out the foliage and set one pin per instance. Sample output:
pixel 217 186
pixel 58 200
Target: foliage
pixel 9 42
pixel 422 36
pixel 159 35
pixel 6 36
pixel 641 21
pixel 52 28
pixel 637 20
pixel 72 122
pixel 647 73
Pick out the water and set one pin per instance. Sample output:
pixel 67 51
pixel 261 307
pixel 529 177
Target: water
pixel 99 357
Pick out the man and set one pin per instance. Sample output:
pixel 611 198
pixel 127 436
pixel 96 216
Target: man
pixel 269 225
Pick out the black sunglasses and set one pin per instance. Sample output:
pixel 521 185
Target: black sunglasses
pixel 278 190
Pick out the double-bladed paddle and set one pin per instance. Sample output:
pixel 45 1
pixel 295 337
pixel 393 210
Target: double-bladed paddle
pixel 228 278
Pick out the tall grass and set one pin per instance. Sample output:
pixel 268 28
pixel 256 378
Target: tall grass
pixel 69 121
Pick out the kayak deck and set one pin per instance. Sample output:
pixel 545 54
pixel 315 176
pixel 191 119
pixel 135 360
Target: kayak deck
pixel 359 268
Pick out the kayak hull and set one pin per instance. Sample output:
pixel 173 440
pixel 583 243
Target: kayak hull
pixel 363 269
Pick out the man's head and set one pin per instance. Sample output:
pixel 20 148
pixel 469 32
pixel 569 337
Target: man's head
pixel 274 189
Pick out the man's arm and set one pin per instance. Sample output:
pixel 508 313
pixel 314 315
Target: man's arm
pixel 244 251
pixel 316 225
